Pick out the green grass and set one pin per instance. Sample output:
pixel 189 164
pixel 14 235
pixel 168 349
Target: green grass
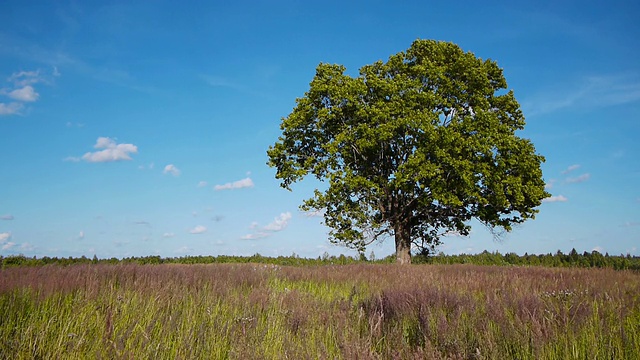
pixel 257 311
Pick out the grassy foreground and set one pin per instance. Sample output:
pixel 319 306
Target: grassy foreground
pixel 363 311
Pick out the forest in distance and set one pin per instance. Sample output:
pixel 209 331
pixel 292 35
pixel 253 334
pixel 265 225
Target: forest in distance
pixel 593 259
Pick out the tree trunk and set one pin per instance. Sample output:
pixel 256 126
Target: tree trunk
pixel 403 244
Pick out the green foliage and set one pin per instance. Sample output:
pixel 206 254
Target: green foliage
pixel 414 147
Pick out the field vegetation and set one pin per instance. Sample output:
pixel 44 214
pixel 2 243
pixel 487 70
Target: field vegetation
pixel 354 311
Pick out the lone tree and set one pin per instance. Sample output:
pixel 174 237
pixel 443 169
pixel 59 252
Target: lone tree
pixel 413 148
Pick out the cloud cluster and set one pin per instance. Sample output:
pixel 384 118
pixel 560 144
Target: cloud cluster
pixel 7 217
pixel 171 169
pixel 20 92
pixel 278 224
pixel 109 151
pixel 4 241
pixel 244 183
pixel 570 180
pixel 579 179
pixel 198 230
pixel 571 168
pixel 4 237
pixel 559 198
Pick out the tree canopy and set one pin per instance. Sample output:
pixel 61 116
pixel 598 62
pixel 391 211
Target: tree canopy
pixel 414 148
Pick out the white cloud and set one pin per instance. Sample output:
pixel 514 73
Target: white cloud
pixel 171 169
pixel 111 151
pixel 202 184
pixel 10 108
pixel 4 237
pixel 25 94
pixel 244 183
pixel 579 179
pixel 549 184
pixel 254 236
pixel 314 213
pixel 168 235
pixel 81 235
pixel 184 250
pixel 631 224
pixel 559 198
pixel 7 217
pixel 24 78
pixel 145 167
pixel 571 168
pixel 22 91
pixel 598 249
pixel 198 230
pixel 8 245
pixel 279 223
pixel 589 92
pixel 27 247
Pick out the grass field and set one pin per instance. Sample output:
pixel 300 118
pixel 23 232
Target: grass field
pixel 256 311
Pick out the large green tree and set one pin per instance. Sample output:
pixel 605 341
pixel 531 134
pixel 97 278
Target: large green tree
pixel 413 148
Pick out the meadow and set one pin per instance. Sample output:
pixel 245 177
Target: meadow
pixel 356 311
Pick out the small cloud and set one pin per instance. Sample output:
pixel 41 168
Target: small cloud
pixel 315 213
pixel 254 236
pixel 198 230
pixel 24 78
pixel 27 247
pixel 168 235
pixel 631 224
pixel 279 223
pixel 81 235
pixel 25 94
pixel 4 237
pixel 559 198
pixel 112 151
pixel 244 183
pixel 10 108
pixel 7 217
pixel 184 250
pixel 579 179
pixel 598 249
pixel 549 184
pixel 22 91
pixel 8 245
pixel 146 223
pixel 70 124
pixel 171 169
pixel 146 167
pixel 202 184
pixel 571 168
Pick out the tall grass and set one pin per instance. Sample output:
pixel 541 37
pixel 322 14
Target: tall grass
pixel 255 311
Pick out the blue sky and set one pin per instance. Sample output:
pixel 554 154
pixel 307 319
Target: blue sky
pixel 140 128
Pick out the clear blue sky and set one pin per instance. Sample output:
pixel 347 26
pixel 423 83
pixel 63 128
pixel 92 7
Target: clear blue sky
pixel 140 128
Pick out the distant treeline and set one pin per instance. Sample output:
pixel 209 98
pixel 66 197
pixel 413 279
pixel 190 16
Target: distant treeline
pixel 592 259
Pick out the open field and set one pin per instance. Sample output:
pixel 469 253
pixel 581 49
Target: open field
pixel 362 311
